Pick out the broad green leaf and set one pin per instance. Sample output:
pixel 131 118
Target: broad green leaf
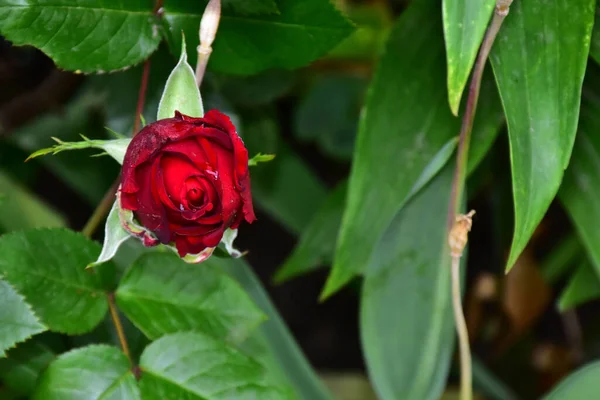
pixel 272 344
pixel 465 23
pixel 405 311
pixel 21 209
pixel 47 266
pixel 191 365
pixel 317 242
pixel 580 189
pixel 489 384
pixel 581 384
pixel 251 7
pixel 85 36
pixel 247 44
pixel 539 60
pixel 181 92
pixel 97 372
pixel 395 142
pixel 17 320
pixel 161 295
pixel 583 286
pixel 24 364
pixel 88 177
pixel 286 188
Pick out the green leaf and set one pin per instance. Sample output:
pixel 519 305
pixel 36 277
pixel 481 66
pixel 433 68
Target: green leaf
pixel 539 60
pixel 260 158
pixel 563 256
pixel 595 42
pixel 195 366
pixel 317 242
pixel 47 266
pixel 161 294
pixel 114 236
pixel 581 384
pixel 465 23
pixel 84 36
pixel 394 137
pixel 17 320
pixel 181 92
pixel 246 7
pixel 247 44
pixel 580 189
pixel 406 295
pixel 583 286
pixel 272 344
pixel 98 372
pixel 116 148
pixel 21 209
pixel 24 364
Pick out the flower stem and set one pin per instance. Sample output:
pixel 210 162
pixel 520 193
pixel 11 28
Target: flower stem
pixel 454 222
pixel 114 314
pixel 101 210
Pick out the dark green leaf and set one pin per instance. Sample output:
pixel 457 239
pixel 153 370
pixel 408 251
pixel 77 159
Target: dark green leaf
pixel 406 310
pixel 257 89
pixel 581 384
pixel 47 266
pixel 583 286
pixel 194 366
pixel 24 364
pixel 595 42
pixel 300 33
pixel 539 60
pixel 17 320
pixel 317 242
pixel 580 189
pixel 563 256
pixel 251 7
pixel 465 23
pixel 85 36
pixel 98 372
pixel 21 209
pixel 395 141
pixel 272 344
pixel 161 294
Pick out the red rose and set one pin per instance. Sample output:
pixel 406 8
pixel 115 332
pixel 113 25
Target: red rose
pixel 186 180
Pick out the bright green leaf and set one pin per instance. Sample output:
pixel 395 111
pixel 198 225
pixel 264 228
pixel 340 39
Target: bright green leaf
pixel 406 296
pixel 85 36
pixel 247 44
pixel 465 23
pixel 194 366
pixel 97 372
pixel 21 209
pixel 395 141
pixel 47 266
pixel 116 148
pixel 583 286
pixel 272 344
pixel 161 294
pixel 539 60
pixel 24 364
pixel 580 189
pixel 181 92
pixel 260 158
pixel 17 320
pixel 581 384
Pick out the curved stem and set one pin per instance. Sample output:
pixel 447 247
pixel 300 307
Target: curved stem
pixel 466 374
pixel 114 314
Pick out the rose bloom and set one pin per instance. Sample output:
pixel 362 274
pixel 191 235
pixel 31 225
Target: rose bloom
pixel 186 180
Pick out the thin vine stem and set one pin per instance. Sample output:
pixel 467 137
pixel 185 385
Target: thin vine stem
pixel 460 225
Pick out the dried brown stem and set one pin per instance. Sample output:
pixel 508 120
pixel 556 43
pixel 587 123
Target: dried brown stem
pixel 208 30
